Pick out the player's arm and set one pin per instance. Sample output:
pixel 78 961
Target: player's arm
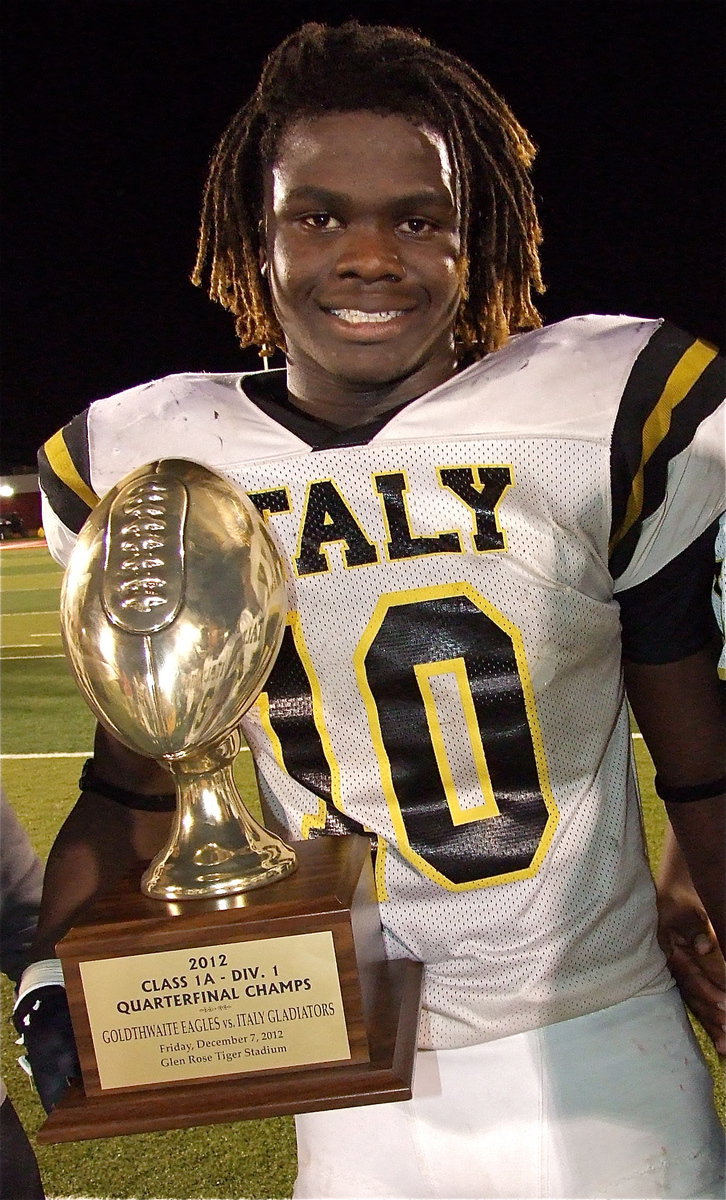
pixel 103 837
pixel 670 649
pixel 689 943
pixel 669 632
pixel 121 818
pixel 679 710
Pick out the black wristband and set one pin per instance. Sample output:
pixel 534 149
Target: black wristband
pixel 90 782
pixel 695 791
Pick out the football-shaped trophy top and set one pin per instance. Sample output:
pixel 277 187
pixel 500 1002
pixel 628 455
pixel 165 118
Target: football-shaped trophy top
pixel 173 608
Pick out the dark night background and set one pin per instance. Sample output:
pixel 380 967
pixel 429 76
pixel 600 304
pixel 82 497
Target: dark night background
pixel 112 107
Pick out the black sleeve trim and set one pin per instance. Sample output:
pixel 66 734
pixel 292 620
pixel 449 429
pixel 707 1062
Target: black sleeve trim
pixel 675 383
pixel 670 615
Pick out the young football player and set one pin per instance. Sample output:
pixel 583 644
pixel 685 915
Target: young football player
pixel 486 523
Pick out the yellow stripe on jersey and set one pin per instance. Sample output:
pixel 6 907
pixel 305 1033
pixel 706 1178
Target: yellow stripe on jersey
pixel 380 870
pixel 296 647
pixel 262 704
pixel 62 464
pixel 310 821
pixel 684 375
pixel 313 821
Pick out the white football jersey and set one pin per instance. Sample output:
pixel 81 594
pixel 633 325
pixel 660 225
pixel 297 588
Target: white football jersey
pixel 450 679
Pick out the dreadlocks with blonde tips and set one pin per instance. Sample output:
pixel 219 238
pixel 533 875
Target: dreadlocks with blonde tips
pixel 350 67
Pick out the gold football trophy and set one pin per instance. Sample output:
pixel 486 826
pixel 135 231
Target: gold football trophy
pixel 197 992
pixel 172 612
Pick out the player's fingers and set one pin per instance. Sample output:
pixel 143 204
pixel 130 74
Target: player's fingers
pixel 703 943
pixel 694 931
pixel 686 926
pixel 714 968
pixel 711 967
pixel 705 1003
pixel 704 999
pixel 699 975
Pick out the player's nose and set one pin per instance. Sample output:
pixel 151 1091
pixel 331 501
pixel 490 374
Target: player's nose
pixel 370 253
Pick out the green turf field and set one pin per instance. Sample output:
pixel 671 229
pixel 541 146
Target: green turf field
pixel 46 734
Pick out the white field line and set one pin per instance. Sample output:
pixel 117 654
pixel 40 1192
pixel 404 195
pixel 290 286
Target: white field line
pixel 70 754
pixel 61 754
pixel 38 637
pixel 47 612
pixel 24 657
pixel 87 753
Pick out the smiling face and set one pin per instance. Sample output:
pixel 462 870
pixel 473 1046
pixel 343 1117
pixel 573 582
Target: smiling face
pixel 362 256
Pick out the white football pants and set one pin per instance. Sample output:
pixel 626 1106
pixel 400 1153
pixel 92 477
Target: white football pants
pixel 613 1104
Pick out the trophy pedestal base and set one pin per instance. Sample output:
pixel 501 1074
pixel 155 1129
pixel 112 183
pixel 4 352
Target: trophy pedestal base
pixel 275 1001
pixel 386 1077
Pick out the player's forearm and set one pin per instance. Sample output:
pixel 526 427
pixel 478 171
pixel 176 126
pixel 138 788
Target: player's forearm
pixel 101 840
pixel 700 828
pixel 679 710
pixel 673 874
pixel 98 843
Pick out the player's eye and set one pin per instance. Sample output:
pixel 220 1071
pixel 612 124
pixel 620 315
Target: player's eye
pixel 321 220
pixel 417 225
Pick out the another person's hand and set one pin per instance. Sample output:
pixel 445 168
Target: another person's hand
pixel 695 960
pixel 43 1020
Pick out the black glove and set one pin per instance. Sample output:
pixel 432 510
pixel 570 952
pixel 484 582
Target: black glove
pixel 43 1020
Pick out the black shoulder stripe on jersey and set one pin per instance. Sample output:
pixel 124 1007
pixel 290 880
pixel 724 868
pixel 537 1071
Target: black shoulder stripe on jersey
pixel 699 403
pixel 673 386
pixel 644 386
pixel 64 471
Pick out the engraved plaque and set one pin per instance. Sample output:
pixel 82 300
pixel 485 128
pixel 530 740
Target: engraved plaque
pixel 270 1004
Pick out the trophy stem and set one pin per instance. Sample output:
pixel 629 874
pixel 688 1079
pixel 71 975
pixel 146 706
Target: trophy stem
pixel 216 847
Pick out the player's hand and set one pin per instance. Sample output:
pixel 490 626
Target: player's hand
pixel 43 1020
pixel 695 961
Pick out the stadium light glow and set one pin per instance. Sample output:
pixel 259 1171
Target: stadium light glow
pixel 6 490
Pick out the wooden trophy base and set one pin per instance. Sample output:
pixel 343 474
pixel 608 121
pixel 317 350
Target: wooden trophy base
pixel 292 971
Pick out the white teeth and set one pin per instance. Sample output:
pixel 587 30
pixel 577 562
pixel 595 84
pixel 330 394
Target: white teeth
pixel 355 316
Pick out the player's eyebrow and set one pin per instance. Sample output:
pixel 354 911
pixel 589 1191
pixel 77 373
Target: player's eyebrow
pixel 316 195
pixel 325 198
pixel 428 198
